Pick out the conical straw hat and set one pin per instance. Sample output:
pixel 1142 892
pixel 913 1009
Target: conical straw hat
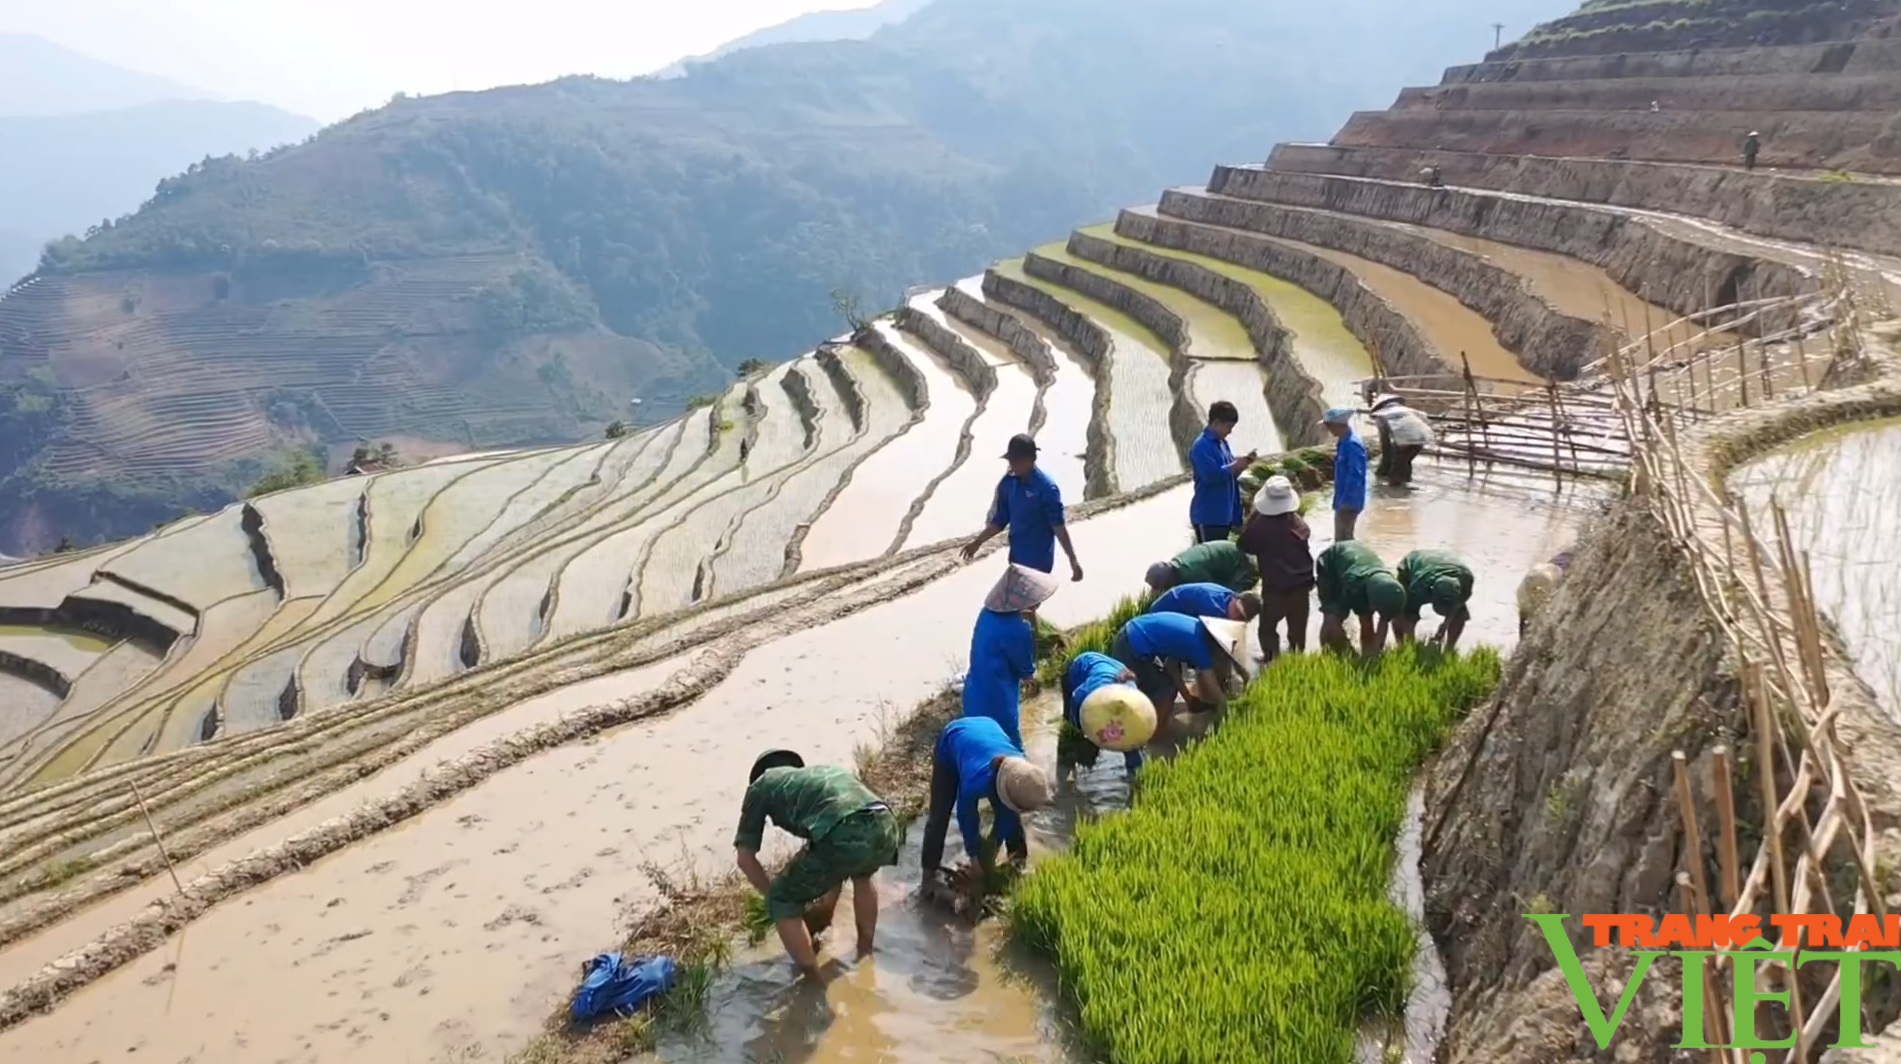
pixel 1117 717
pixel 1230 636
pixel 1021 589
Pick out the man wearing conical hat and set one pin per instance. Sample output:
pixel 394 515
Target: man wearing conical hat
pixel 1003 648
pixel 1103 686
pixel 974 761
pixel 849 834
pixel 1352 579
pixel 1156 647
pixel 1439 579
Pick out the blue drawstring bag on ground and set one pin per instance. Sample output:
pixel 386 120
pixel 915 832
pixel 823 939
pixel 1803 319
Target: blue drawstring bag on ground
pixel 614 984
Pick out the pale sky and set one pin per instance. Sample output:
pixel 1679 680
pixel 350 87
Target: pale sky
pixel 331 58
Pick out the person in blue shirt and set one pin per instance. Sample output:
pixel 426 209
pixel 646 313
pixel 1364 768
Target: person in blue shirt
pixel 1003 648
pixel 1215 509
pixel 1089 672
pixel 1207 600
pixel 1349 472
pixel 974 761
pixel 1030 505
pixel 1155 646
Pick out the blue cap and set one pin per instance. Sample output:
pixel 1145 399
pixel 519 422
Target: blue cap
pixel 1339 415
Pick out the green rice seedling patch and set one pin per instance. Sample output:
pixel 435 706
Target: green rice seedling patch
pixel 1239 909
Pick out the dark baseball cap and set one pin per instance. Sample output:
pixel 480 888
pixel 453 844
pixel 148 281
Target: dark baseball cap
pixel 1021 446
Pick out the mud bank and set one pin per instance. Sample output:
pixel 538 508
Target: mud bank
pixel 1864 215
pixel 1294 396
pixel 1397 345
pixel 1184 421
pixel 1679 274
pixel 1092 346
pixel 1019 338
pixel 965 359
pixel 1547 341
pixel 1559 796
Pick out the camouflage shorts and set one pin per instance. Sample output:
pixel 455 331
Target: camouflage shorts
pixel 858 846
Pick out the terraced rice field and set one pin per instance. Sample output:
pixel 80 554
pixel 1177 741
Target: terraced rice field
pixel 1145 450
pixel 865 513
pixel 23 704
pixel 314 534
pixel 208 561
pixel 66 651
pixel 1239 383
pixel 1322 343
pixel 1067 404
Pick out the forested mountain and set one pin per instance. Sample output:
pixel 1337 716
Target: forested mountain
pixel 511 266
pixel 65 173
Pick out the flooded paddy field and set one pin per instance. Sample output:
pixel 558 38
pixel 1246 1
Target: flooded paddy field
pixel 1067 403
pixel 1841 489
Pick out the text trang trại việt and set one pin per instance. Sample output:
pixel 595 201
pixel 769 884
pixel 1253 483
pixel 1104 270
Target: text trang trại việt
pixel 1693 940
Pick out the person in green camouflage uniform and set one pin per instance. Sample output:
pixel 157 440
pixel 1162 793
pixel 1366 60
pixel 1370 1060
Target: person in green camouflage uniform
pixel 849 834
pixel 1351 579
pixel 1439 579
pixel 1217 562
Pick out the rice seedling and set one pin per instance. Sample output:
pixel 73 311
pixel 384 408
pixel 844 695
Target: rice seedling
pixel 1239 910
pixel 1095 636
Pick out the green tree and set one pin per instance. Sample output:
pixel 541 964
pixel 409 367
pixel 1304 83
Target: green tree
pixel 845 304
pixel 65 545
pixel 751 366
pixel 618 429
pixel 302 468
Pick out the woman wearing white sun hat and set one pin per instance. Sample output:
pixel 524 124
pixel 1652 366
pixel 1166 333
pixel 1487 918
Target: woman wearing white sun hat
pixel 1278 538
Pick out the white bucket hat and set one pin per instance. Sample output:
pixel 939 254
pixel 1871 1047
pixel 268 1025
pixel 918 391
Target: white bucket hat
pixel 1276 497
pixel 1020 589
pixel 1230 636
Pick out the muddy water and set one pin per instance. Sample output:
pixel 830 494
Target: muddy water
pixel 1067 405
pixel 456 933
pixel 935 990
pixel 1441 319
pixel 1139 396
pixel 1212 332
pixel 23 705
pixel 1322 343
pixel 1839 488
pixel 1573 286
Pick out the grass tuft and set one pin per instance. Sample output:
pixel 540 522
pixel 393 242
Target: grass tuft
pixel 1239 911
pixel 1092 636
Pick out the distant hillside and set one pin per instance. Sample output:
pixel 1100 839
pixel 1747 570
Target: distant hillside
pixel 854 25
pixel 68 172
pixel 1602 27
pixel 39 77
pixel 513 266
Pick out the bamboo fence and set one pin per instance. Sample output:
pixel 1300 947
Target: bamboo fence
pixel 1818 835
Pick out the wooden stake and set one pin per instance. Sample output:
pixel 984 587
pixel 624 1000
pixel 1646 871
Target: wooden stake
pixel 1712 1001
pixel 1692 833
pixel 156 840
pixel 1729 883
pixel 1764 721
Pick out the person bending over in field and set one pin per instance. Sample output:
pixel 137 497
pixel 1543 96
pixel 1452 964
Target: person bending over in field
pixel 1441 580
pixel 1003 647
pixel 1157 646
pixel 1351 579
pixel 1219 562
pixel 1539 584
pixel 849 834
pixel 1099 676
pixel 974 761
pixel 1207 600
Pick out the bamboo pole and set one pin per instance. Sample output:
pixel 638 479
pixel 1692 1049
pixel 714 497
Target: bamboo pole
pixel 1727 883
pixel 1712 998
pixel 1692 831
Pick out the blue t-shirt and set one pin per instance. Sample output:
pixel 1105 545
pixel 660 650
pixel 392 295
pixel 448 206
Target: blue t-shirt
pixel 1170 635
pixel 1194 600
pixel 1217 498
pixel 1002 656
pixel 1031 509
pixel 1349 473
pixel 970 743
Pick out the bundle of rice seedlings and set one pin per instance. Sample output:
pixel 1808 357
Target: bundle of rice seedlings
pixel 1239 911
